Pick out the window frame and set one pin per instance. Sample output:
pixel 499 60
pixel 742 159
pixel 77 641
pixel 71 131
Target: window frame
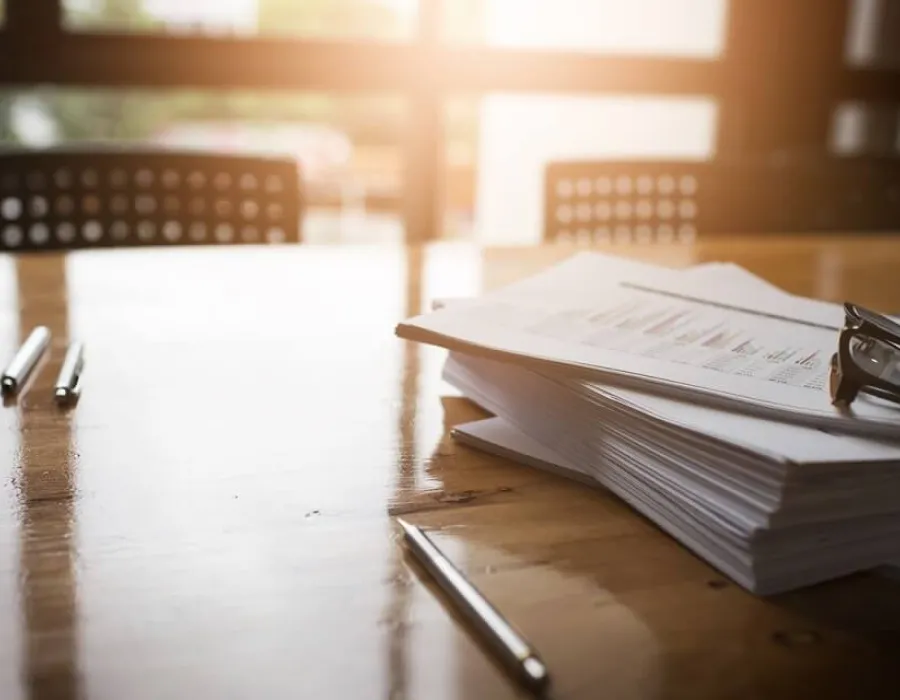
pixel 780 58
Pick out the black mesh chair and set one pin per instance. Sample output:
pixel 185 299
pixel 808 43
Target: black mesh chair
pixel 67 199
pixel 665 202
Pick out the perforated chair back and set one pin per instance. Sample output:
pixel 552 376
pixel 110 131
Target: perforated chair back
pixel 666 202
pixel 67 199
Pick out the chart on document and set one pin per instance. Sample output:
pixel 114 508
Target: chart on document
pixel 740 343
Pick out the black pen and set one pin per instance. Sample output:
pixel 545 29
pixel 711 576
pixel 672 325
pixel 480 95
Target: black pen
pixel 513 649
pixel 25 360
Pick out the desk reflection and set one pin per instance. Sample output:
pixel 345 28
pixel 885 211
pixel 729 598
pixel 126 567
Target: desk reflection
pixel 46 494
pixel 191 530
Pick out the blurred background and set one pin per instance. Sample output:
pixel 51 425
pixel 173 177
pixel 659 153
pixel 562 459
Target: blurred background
pixel 356 139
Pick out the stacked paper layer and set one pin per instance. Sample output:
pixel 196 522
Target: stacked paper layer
pixel 773 504
pixel 693 337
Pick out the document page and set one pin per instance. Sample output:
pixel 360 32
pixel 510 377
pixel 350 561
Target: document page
pixel 781 440
pixel 660 331
pixel 697 334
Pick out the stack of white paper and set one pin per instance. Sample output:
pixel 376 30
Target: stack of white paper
pixel 699 398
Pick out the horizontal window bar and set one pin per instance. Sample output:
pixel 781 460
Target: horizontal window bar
pixel 104 59
pixel 161 61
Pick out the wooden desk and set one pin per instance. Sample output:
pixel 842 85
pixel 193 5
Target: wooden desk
pixel 213 519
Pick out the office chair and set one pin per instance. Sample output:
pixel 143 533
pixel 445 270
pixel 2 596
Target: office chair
pixel 678 201
pixel 95 198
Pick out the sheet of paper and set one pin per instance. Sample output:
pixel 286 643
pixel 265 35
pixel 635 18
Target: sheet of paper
pixel 645 327
pixel 499 437
pixel 707 525
pixel 720 435
pixel 783 441
pixel 496 436
pixel 754 489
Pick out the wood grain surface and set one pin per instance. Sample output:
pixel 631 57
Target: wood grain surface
pixel 213 518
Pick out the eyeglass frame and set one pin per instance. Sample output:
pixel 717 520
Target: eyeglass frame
pixel 846 378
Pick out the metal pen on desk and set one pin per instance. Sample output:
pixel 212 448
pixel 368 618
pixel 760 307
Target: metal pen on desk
pixel 514 650
pixel 68 384
pixel 25 360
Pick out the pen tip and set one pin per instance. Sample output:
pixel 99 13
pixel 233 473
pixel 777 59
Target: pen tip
pixel 536 671
pixel 405 526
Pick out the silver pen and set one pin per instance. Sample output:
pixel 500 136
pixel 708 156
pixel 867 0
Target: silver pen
pixel 68 384
pixel 25 360
pixel 513 649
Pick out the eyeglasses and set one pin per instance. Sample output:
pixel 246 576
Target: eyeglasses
pixel 868 357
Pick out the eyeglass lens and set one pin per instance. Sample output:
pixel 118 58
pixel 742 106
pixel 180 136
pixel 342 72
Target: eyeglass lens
pixel 876 358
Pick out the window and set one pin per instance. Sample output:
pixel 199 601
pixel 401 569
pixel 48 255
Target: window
pixel 518 135
pixel 692 28
pixel 498 145
pixel 871 36
pixel 870 41
pixel 358 19
pixel 859 128
pixel 346 146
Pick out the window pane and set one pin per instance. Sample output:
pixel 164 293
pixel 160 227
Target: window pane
pixel 347 147
pixel 873 34
pixel 858 128
pixel 379 19
pixel 500 145
pixel 667 27
pixel 461 117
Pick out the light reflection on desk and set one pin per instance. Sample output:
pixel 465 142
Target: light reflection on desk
pixel 11 652
pixel 214 520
